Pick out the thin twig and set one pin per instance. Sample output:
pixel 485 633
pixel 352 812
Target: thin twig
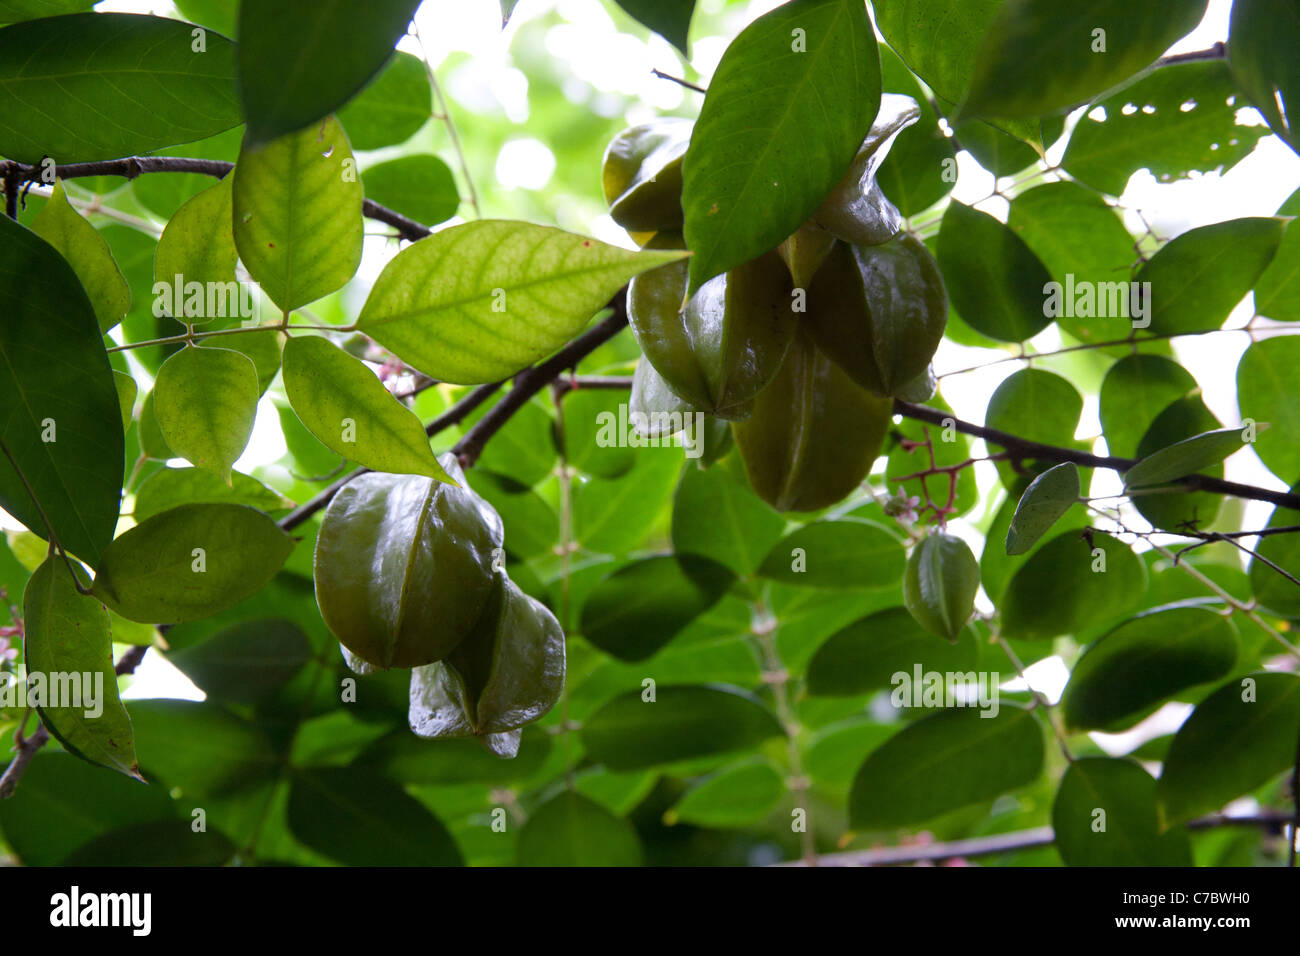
pixel 679 81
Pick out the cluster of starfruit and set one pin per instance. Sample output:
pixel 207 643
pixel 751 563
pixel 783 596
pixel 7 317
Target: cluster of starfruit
pixel 802 349
pixel 409 574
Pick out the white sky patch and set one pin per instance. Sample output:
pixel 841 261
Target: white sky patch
pixel 525 164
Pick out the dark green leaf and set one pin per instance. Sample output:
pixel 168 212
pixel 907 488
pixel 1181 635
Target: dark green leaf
pixel 1262 38
pixel 12 11
pixel 1145 660
pixel 1135 390
pixel 104 85
pixel 639 608
pixel 391 107
pixel 1065 587
pixel 421 187
pixel 671 19
pixel 994 280
pixel 759 165
pixel 1182 419
pixel 190 562
pixel 1266 393
pixel 1274 590
pixel 63 425
pixel 944 761
pixel 363 820
pixel 155 843
pixel 1174 121
pixel 247 662
pixel 1198 277
pixel 848 553
pixel 1039 58
pixel 736 796
pixel 572 830
pixel 1034 404
pixel 1186 457
pixel 869 653
pixel 921 167
pixel 1105 815
pixel 298 64
pixel 682 721
pixel 1236 739
pixel 1045 501
pixel 199 747
pixel 717 516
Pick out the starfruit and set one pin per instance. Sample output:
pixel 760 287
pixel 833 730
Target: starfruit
pixel 813 434
pixel 939 584
pixel 878 312
pixel 403 565
pixel 507 672
pixel 717 350
pixel 642 175
pixel 856 210
pixel 655 409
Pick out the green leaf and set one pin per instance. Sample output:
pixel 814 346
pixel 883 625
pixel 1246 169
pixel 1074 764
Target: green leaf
pixel 168 843
pixel 940 582
pixel 200 747
pixel 871 652
pixel 912 175
pixel 1134 392
pixel 1036 405
pixel 994 280
pixel 532 526
pixel 86 251
pixel 364 820
pixel 1174 121
pixel 612 516
pixel 1063 589
pixel 1237 739
pixel 391 108
pixel 1183 418
pixel 1198 277
pixel 848 553
pixel 671 19
pixel 56 376
pixel 480 301
pixel 151 441
pixel 206 400
pixel 717 516
pixel 681 722
pixel 297 213
pixel 1105 815
pixel 344 404
pixel 190 562
pixel 944 761
pixel 198 245
pixel 937 39
pixel 1083 242
pixel 127 390
pixel 1145 660
pixel 737 796
pixel 1262 39
pixel 1048 497
pixel 66 640
pixel 12 11
pixel 635 611
pixel 759 165
pixel 104 85
pixel 63 803
pixel 1271 589
pixel 1038 58
pixel 298 64
pixel 572 830
pixel 1277 290
pixel 1186 457
pixel 248 662
pixel 169 487
pixel 421 187
pixel 1266 393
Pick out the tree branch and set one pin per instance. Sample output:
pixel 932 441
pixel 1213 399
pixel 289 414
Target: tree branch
pixel 1022 448
pixel 1274 820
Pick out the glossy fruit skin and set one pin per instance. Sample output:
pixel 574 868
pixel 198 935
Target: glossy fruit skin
pixel 813 434
pixel 939 584
pixel 724 345
pixel 856 210
pixel 879 312
pixel 508 671
pixel 642 175
pixel 403 565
